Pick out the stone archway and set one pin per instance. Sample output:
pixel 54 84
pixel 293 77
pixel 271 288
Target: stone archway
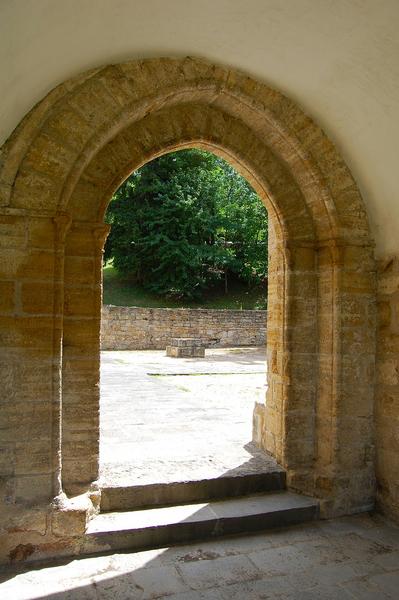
pixel 59 170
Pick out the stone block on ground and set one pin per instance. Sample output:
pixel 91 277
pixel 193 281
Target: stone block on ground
pixel 186 348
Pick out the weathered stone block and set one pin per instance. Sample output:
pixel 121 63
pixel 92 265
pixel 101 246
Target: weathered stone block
pixel 38 264
pixel 80 302
pixel 33 456
pixel 34 489
pixel 38 298
pixel 79 270
pixel 27 332
pixel 185 348
pixel 41 233
pixel 13 232
pixel 70 515
pixel 7 296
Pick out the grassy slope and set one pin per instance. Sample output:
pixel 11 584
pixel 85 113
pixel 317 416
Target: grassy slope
pixel 119 292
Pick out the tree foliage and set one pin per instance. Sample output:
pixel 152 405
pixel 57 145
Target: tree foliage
pixel 184 221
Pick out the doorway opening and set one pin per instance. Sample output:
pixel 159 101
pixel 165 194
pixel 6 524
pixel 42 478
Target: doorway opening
pixel 185 262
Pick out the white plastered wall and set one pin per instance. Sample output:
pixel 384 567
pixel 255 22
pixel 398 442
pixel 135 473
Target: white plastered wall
pixel 339 59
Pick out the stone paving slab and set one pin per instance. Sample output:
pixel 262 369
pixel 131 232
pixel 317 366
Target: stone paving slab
pixel 233 508
pixel 183 419
pixel 311 561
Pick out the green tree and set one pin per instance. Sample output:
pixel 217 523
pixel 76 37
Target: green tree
pixel 185 220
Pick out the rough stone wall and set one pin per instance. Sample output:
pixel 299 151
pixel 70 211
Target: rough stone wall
pixel 133 328
pixel 387 388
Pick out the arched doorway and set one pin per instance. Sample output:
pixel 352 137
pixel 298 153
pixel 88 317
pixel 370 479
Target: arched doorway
pixel 186 257
pixel 60 169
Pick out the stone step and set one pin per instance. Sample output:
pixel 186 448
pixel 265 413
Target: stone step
pixel 184 492
pixel 163 527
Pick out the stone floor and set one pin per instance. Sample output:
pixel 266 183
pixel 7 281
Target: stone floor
pixel 350 558
pixel 175 419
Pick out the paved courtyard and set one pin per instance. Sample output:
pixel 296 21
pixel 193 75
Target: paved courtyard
pixel 343 559
pixel 166 419
pixel 174 419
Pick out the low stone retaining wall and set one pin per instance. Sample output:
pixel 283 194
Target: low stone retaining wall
pixel 132 328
